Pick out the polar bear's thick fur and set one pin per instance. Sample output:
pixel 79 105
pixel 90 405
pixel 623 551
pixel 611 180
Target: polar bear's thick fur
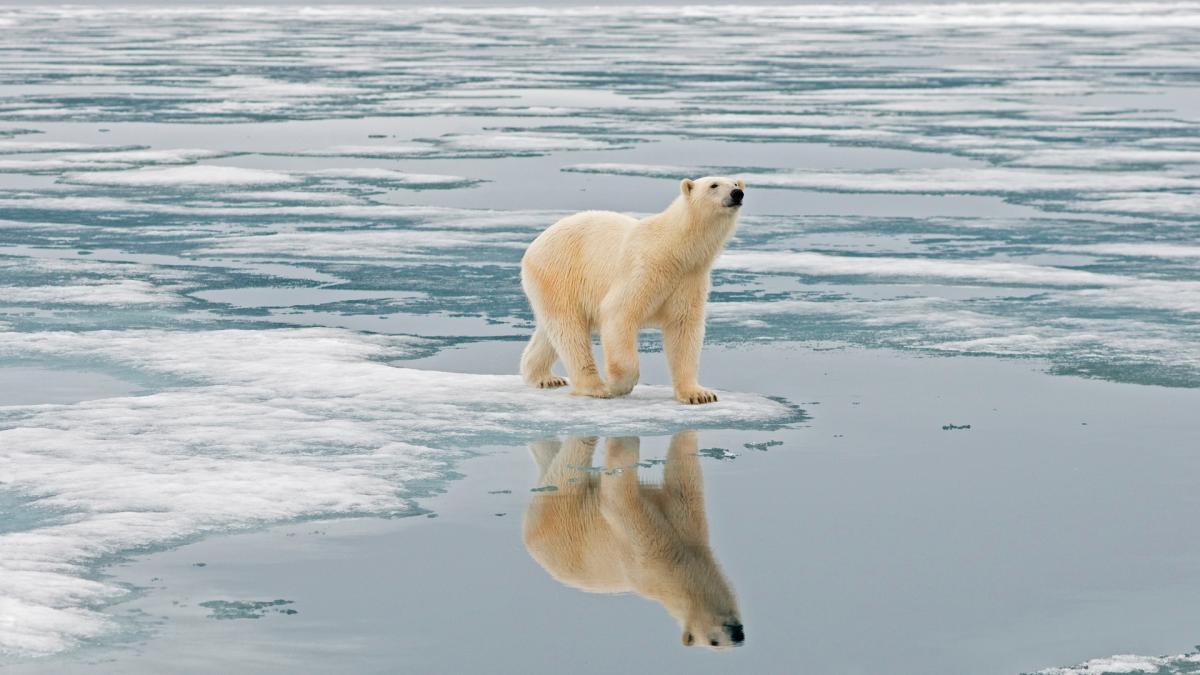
pixel 609 533
pixel 600 271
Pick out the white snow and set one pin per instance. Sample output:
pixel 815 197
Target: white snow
pixel 521 142
pixel 1130 663
pixel 290 196
pixel 183 176
pixel 1136 250
pixel 1141 203
pixel 1078 157
pixel 251 87
pixel 107 292
pixel 334 210
pixel 105 160
pixel 398 151
pixel 392 176
pixel 8 147
pixel 364 244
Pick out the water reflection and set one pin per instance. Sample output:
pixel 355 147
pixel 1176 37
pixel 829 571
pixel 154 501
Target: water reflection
pixel 604 531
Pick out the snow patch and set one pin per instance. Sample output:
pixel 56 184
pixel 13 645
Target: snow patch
pixel 1121 664
pixel 393 177
pixel 362 244
pixel 108 292
pixel 521 142
pixel 183 176
pixel 1136 250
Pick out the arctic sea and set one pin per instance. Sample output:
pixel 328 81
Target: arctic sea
pixel 260 317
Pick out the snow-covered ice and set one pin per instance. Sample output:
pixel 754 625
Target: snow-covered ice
pixel 255 427
pixel 183 176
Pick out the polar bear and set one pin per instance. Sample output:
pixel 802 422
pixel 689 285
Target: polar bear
pixel 600 271
pixel 608 533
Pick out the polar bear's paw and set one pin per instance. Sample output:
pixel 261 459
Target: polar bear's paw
pixel 596 390
pixel 695 395
pixel 549 382
pixel 620 387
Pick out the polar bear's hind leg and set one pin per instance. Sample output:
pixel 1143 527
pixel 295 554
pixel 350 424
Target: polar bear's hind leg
pixel 536 361
pixel 572 339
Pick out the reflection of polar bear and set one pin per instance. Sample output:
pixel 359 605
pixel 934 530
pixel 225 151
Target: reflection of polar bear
pixel 612 534
pixel 608 272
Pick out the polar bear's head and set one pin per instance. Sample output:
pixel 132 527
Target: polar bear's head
pixel 702 601
pixel 714 193
pixel 718 629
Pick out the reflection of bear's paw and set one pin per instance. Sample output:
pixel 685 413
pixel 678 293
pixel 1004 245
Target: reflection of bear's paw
pixel 621 453
pixel 549 382
pixel 696 395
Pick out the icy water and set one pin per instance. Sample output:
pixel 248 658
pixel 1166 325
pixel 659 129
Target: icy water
pixel 259 267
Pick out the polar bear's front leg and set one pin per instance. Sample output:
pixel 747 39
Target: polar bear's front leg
pixel 618 337
pixel 683 336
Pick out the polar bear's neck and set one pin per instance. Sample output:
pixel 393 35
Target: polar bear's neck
pixel 695 236
pixel 688 583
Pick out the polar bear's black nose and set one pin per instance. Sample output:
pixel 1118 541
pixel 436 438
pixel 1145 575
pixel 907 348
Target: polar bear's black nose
pixel 737 634
pixel 736 195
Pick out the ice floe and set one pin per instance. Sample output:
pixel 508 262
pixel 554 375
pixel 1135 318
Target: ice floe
pixel 1183 296
pixel 183 176
pixel 393 177
pixel 521 142
pixel 9 147
pixel 106 292
pixel 1136 250
pixel 1123 664
pixel 254 427
pixel 804 262
pixel 982 180
pixel 105 161
pixel 1174 204
pixel 362 244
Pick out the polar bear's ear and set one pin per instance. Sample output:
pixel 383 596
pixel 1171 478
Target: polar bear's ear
pixel 686 186
pixel 741 184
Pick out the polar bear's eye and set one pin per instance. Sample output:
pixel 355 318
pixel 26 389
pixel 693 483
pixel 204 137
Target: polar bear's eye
pixel 714 186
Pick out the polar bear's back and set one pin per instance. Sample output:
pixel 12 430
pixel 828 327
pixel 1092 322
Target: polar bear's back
pixel 577 258
pixel 582 233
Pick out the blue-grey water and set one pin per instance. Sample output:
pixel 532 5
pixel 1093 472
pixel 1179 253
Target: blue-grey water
pixel 259 266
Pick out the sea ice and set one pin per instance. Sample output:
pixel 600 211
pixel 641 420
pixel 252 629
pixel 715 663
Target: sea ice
pixel 261 426
pixel 183 176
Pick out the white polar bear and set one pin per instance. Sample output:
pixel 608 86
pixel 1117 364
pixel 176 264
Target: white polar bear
pixel 606 272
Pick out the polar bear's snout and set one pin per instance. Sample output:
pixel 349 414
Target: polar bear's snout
pixel 719 637
pixel 735 197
